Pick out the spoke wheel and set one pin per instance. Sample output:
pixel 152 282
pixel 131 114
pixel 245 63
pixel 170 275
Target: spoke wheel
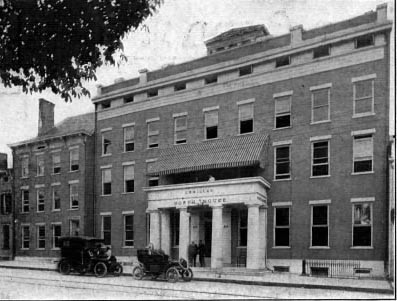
pixel 137 273
pixel 172 274
pixel 187 274
pixel 100 269
pixel 64 267
pixel 118 269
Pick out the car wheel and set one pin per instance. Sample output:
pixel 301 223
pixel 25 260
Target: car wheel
pixel 100 269
pixel 137 273
pixel 187 274
pixel 172 274
pixel 64 267
pixel 118 269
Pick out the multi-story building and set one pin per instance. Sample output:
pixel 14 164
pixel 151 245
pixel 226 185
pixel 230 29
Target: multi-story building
pixel 272 150
pixel 6 230
pixel 53 183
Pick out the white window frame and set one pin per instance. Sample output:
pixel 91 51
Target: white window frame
pixel 276 146
pixel 181 129
pixel 357 136
pixel 73 153
pixel 277 97
pixel 23 238
pixel 25 202
pixel 53 225
pixel 103 170
pixel 206 113
pixel 320 164
pixel 370 203
pixel 105 132
pixel 40 165
pixel 73 196
pixel 103 216
pixel 315 89
pixel 25 166
pixel 283 206
pixel 318 204
pixel 246 103
pixel 153 133
pixel 125 230
pixel 40 201
pixel 126 165
pixel 128 141
pixel 39 238
pixel 55 187
pixel 356 80
pixel 71 220
pixel 56 164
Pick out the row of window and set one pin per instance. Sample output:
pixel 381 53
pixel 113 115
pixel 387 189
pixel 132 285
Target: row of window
pixel 56 163
pixel 363 105
pixel 5 203
pixel 363 155
pixel 361 226
pixel 128 229
pixel 55 197
pixel 318 52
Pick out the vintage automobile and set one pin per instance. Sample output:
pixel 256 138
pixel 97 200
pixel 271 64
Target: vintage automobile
pixel 82 254
pixel 154 263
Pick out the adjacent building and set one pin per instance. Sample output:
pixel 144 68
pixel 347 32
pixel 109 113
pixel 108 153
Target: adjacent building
pixel 53 183
pixel 272 150
pixel 6 210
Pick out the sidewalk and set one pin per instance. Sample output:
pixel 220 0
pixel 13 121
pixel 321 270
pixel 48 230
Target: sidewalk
pixel 243 276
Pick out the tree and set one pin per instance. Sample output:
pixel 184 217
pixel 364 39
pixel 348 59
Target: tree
pixel 59 44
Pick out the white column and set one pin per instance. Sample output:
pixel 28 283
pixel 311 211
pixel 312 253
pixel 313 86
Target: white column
pixel 155 228
pixel 227 235
pixel 253 243
pixel 183 233
pixel 217 237
pixel 263 236
pixel 194 227
pixel 165 231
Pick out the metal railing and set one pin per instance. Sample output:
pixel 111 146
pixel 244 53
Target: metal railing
pixel 331 268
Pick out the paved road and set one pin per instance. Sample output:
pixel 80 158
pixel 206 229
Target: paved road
pixel 28 284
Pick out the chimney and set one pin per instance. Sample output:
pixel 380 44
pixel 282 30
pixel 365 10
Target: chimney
pixel 98 89
pixel 381 13
pixel 3 161
pixel 46 116
pixel 296 34
pixel 143 76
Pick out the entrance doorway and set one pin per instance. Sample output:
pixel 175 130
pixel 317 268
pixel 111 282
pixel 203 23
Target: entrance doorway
pixel 207 237
pixel 6 237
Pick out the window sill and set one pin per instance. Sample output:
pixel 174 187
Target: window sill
pixel 40 211
pixel 24 212
pixel 27 177
pixel 281 180
pixel 320 177
pixel 127 152
pixel 54 174
pixel 106 155
pixel 280 247
pixel 363 115
pixel 55 249
pixel 243 134
pixel 105 195
pixel 155 147
pixel 361 248
pixel 128 192
pixel 128 247
pixel 56 210
pixel 211 139
pixel 25 249
pixel 38 176
pixel 73 209
pixel 362 173
pixel 319 248
pixel 319 122
pixel 283 128
pixel 71 171
pixel 40 249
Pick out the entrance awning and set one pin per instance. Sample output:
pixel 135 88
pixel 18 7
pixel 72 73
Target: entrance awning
pixel 237 151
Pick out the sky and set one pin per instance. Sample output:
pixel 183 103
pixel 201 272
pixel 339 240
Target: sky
pixel 176 33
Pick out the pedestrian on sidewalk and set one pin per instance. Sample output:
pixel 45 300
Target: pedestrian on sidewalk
pixel 192 254
pixel 201 252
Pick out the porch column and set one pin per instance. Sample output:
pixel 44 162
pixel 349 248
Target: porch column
pixel 183 233
pixel 194 227
pixel 254 235
pixel 227 236
pixel 263 236
pixel 217 237
pixel 155 228
pixel 165 231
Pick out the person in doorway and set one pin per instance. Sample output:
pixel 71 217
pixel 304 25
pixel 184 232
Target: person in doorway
pixel 211 179
pixel 201 252
pixel 192 254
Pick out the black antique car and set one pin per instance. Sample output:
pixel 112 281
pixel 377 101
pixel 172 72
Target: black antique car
pixel 83 254
pixel 154 263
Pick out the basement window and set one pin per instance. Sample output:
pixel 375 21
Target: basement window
pixel 106 105
pixel 129 99
pixel 180 86
pixel 319 272
pixel 321 51
pixel 152 93
pixel 211 79
pixel 365 41
pixel 281 269
pixel 283 61
pixel 245 70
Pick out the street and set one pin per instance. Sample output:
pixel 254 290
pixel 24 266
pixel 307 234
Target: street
pixel 30 284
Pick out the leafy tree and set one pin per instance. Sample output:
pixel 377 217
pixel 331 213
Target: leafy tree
pixel 59 44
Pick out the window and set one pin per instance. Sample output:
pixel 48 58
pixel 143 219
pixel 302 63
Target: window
pixel 128 230
pixel 364 41
pixel 6 237
pixel 74 227
pixel 5 199
pixel 320 105
pixel 56 198
pixel 211 79
pixel 40 200
pixel 106 105
pixel 174 219
pixel 106 143
pixel 320 226
pixel 25 233
pixel 129 138
pixel 363 149
pixel 25 167
pixel 283 112
pixel 25 200
pixel 56 234
pixel 281 226
pixel 40 165
pixel 245 70
pixel 362 225
pixel 152 93
pixel 321 51
pixel 56 163
pixel 180 129
pixel 153 181
pixel 246 118
pixel 242 227
pixel 129 99
pixel 153 134
pixel 107 229
pixel 282 162
pixel 106 181
pixel 211 124
pixel 180 86
pixel 129 171
pixel 363 97
pixel 283 61
pixel 74 195
pixel 320 158
pixel 40 232
pixel 74 159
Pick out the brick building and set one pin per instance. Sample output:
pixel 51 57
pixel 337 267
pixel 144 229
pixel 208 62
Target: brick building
pixel 53 183
pixel 272 150
pixel 6 218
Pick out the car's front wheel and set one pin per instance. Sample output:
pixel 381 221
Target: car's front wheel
pixel 100 269
pixel 118 269
pixel 187 274
pixel 172 274
pixel 64 267
pixel 137 273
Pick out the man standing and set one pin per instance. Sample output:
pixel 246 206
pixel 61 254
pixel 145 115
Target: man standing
pixel 192 254
pixel 201 252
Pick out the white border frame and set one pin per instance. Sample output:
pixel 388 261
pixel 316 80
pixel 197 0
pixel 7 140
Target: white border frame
pixel 372 226
pixel 124 165
pixel 275 207
pixel 312 157
pixel 370 77
pixel 130 213
pixel 208 111
pixel 314 89
pixel 311 225
pixel 357 134
pixel 275 146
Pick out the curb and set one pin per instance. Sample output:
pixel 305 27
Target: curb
pixel 252 282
